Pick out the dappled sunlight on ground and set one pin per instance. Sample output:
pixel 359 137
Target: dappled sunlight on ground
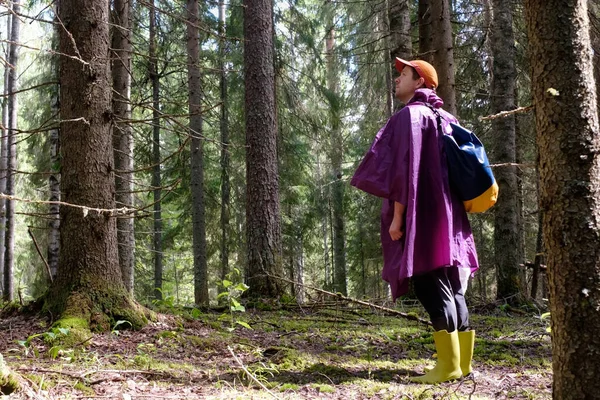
pixel 328 352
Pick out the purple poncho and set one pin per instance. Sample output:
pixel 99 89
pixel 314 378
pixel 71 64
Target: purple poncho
pixel 406 164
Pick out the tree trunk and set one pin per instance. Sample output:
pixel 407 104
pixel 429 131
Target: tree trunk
pixel 197 172
pixel 336 156
pixel 539 250
pixel 4 161
pixel 323 214
pixel 443 52
pixel 400 41
pixel 262 185
pixel 89 287
pixel 123 136
pixel 12 87
pixel 594 15
pixel 506 231
pixel 400 27
pixel 569 165
pixel 299 269
pixel 156 176
pixel 53 252
pixel 224 127
pixel 426 48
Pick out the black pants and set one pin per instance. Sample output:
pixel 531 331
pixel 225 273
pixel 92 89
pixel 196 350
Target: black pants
pixel 441 293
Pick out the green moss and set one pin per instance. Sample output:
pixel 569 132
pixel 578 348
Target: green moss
pixel 77 332
pixel 288 386
pixel 8 381
pixel 371 388
pixel 8 384
pixel 167 334
pixel 291 360
pixel 72 323
pixel 86 390
pixel 101 308
pixel 323 388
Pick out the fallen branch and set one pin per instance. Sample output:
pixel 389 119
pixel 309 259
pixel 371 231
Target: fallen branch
pixel 361 302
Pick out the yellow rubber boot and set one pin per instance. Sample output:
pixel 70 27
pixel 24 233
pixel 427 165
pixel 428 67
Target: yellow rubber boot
pixel 466 341
pixel 447 367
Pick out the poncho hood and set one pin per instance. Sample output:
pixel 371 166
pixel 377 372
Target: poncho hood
pixel 427 96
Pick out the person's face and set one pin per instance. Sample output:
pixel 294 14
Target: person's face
pixel 406 85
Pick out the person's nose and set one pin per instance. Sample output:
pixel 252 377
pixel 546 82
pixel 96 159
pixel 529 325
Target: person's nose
pixel 397 80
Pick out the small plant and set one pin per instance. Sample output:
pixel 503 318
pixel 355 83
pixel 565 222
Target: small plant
pixel 167 302
pixel 261 372
pixel 49 337
pixel 232 294
pixel 115 329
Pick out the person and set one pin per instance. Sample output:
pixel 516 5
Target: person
pixel 425 232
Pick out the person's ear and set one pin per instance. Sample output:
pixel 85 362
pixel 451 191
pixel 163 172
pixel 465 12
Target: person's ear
pixel 421 82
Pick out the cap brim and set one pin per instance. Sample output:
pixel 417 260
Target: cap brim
pixel 400 64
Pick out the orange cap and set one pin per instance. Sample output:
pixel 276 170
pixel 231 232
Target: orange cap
pixel 423 68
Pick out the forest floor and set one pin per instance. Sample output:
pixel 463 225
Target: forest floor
pixel 326 351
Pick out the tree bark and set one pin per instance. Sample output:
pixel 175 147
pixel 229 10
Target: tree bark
pixel 156 173
pixel 506 230
pixel 426 48
pixel 568 139
pixel 336 156
pixel 443 52
pixel 400 27
pixel 262 189
pixel 324 215
pixel 539 250
pixel 594 15
pixel 224 127
pixel 53 252
pixel 123 136
pixel 12 87
pixel 197 166
pixel 89 287
pixel 400 42
pixel 4 160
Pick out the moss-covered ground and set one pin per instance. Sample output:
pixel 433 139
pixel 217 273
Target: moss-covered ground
pixel 329 352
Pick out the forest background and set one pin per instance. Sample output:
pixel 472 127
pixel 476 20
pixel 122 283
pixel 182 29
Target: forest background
pixel 182 124
pixel 329 100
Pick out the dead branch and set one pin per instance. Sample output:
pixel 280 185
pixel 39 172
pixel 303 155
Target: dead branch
pixel 86 210
pixel 503 114
pixel 40 254
pixel 352 300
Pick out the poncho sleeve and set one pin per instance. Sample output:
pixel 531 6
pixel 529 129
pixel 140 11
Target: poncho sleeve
pixel 384 170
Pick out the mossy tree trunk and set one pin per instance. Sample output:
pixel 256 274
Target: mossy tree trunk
pixel 568 138
pixel 89 286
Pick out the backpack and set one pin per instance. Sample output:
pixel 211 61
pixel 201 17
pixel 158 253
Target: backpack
pixel 471 176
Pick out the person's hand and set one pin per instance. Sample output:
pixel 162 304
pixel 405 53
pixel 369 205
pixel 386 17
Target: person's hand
pixel 396 231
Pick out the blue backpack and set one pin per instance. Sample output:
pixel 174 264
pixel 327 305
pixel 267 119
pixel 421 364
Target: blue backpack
pixel 471 176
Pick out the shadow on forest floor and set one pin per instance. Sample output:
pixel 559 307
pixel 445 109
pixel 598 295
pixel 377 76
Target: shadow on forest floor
pixel 325 351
